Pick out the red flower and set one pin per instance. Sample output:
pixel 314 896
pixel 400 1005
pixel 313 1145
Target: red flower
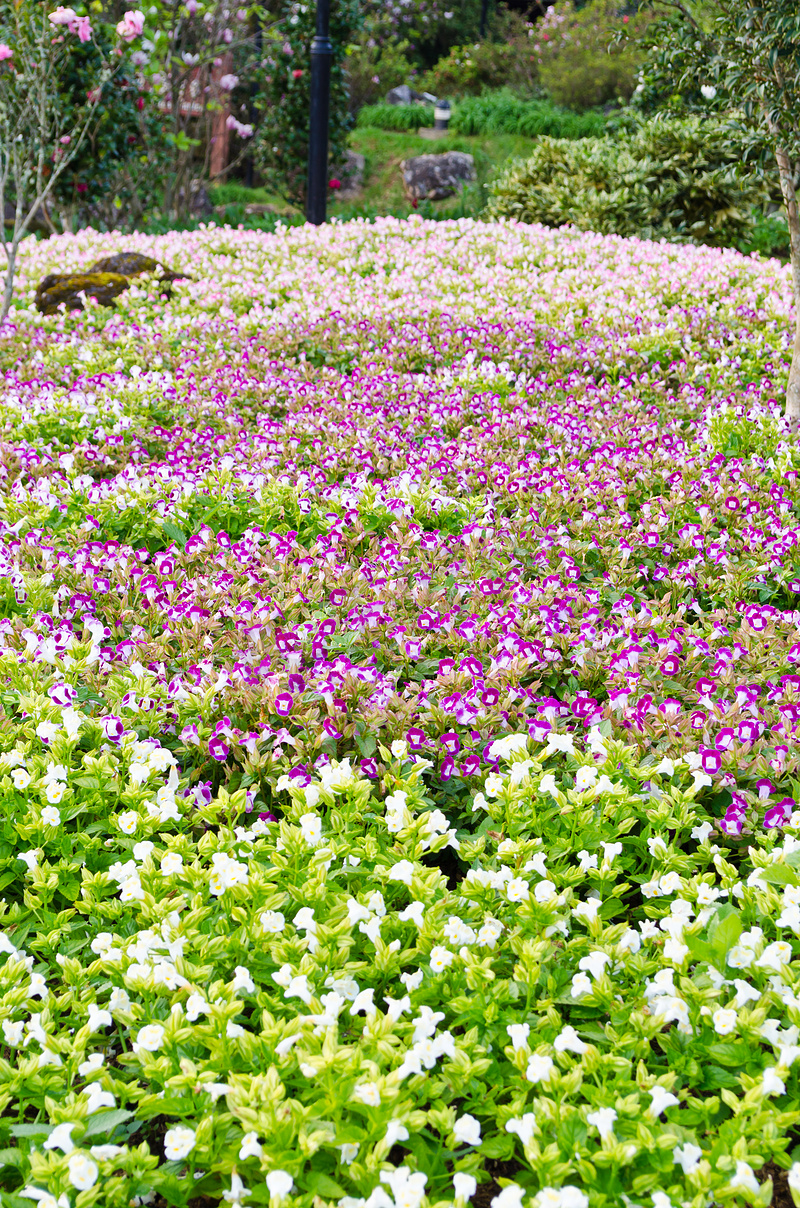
pixel 298 71
pixel 82 188
pixel 334 184
pixel 140 103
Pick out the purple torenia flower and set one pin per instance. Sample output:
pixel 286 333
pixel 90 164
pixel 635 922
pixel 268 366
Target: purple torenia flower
pixel 451 742
pixel 779 815
pixel 284 703
pixel 62 694
pixel 190 736
pixel 711 761
pixel 218 749
pixel 113 728
pixel 471 765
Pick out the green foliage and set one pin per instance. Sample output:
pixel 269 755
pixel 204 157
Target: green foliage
pixel 503 113
pixel 743 430
pixel 362 988
pixel 374 67
pixel 677 180
pixel 280 149
pixel 746 58
pixel 507 58
pixel 589 56
pixel 769 237
pixel 123 134
pixel 395 117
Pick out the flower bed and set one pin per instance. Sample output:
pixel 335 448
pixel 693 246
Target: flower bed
pixel 399 687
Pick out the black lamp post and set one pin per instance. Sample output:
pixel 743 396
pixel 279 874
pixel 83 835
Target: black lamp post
pixel 321 52
pixel 484 17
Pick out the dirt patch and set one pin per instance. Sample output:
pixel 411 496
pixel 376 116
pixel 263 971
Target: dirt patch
pixel 498 1170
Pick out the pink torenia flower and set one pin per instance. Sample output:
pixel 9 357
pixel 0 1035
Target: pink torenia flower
pixel 131 25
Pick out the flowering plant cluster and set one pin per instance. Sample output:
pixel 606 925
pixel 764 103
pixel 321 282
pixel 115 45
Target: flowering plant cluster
pixel 399 688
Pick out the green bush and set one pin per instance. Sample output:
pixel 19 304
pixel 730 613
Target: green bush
pixel 506 58
pixel 374 67
pixel 677 180
pixel 395 117
pixel 503 113
pixel 589 57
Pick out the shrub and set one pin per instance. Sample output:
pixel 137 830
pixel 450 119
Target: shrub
pixel 588 57
pixel 678 180
pixel 507 58
pixel 395 117
pixel 503 113
pixel 372 68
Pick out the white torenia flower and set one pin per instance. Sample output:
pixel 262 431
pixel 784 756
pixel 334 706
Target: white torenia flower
pixel 725 1021
pixel 464 1186
pixel 440 959
pixel 467 1130
pixel 82 1171
pixel 149 1039
pixel 660 1100
pixel 279 1184
pixel 311 829
pixel 179 1142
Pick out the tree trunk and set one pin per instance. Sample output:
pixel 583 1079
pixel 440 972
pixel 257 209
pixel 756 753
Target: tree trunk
pixel 793 219
pixel 8 283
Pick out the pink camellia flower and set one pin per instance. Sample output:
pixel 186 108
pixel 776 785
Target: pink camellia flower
pixel 83 29
pixel 228 82
pixel 131 25
pixel 5 52
pixel 63 16
pixel 241 129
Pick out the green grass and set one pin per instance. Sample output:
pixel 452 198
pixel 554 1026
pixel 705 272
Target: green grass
pixel 384 150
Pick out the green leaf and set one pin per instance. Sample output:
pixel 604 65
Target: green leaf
pixel 737 1052
pixel 31 1130
pixel 105 1122
pixel 324 1185
pixel 779 874
pixel 174 533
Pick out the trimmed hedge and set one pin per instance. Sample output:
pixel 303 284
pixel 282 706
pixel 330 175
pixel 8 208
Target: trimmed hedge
pixel 503 113
pixel 395 117
pixel 495 113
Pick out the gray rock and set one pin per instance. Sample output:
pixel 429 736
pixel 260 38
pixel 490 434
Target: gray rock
pixel 436 176
pixel 404 94
pixel 351 174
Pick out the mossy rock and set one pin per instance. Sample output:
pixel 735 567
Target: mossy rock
pixel 133 264
pixel 58 288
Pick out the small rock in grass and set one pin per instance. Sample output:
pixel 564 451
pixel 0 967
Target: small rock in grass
pixel 436 176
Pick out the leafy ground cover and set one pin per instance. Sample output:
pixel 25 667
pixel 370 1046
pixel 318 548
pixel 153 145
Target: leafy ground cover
pixel 399 693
